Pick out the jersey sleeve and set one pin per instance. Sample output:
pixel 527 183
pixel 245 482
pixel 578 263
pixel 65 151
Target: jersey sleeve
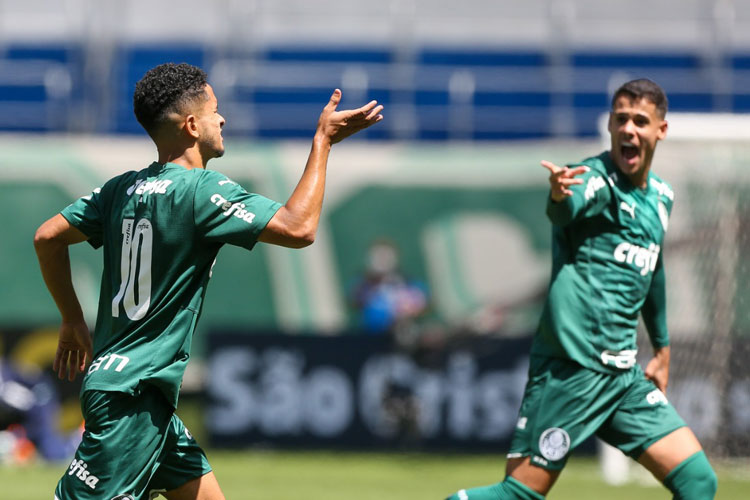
pixel 225 213
pixel 654 310
pixel 87 215
pixel 588 199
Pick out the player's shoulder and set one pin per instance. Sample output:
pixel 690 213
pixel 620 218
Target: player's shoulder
pixel 212 177
pixel 662 189
pixel 597 164
pixel 120 181
pixel 596 181
pixel 211 180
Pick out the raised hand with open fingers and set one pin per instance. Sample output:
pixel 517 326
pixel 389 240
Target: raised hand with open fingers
pixel 338 125
pixel 561 178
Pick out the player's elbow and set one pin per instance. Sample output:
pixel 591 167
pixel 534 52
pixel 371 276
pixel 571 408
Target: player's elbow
pixel 49 237
pixel 303 237
pixel 287 230
pixel 44 237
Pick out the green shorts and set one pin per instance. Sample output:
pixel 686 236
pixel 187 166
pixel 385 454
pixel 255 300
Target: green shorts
pixel 133 448
pixel 564 404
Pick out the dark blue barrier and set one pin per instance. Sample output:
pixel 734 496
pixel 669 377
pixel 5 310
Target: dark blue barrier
pixel 359 392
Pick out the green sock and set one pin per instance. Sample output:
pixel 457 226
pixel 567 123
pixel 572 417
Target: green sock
pixel 510 489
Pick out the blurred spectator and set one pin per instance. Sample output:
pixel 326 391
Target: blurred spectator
pixel 391 304
pixel 386 299
pixel 29 408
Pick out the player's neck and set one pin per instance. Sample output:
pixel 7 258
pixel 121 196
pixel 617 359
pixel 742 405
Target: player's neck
pixel 639 179
pixel 189 158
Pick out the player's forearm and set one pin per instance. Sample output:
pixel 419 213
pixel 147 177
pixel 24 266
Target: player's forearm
pixel 302 210
pixel 654 310
pixel 54 262
pixel 562 212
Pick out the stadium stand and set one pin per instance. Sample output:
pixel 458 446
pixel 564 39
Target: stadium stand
pixel 531 70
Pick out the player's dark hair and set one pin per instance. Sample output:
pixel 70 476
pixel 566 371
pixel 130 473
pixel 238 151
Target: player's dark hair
pixel 643 88
pixel 164 89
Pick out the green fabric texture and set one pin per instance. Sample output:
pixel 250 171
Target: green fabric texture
pixel 563 405
pixel 606 269
pixel 693 479
pixel 509 489
pixel 161 229
pixel 132 446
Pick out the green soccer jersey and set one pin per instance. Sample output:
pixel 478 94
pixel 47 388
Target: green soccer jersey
pixel 161 229
pixel 606 268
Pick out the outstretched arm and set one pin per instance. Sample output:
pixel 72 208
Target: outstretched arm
pixel 74 343
pixel 295 224
pixel 561 178
pixel 575 193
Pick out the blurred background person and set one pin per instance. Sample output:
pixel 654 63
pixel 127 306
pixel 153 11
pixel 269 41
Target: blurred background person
pixel 387 301
pixel 29 413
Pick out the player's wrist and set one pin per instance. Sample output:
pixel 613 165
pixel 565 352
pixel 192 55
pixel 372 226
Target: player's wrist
pixel 322 140
pixel 72 318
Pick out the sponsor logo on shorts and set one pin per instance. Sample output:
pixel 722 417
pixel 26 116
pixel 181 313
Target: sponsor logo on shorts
pixel 655 397
pixel 539 460
pixel 522 423
pixel 79 469
pixel 554 443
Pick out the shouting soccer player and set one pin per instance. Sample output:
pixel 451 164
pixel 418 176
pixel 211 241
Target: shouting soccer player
pixel 161 228
pixel 609 215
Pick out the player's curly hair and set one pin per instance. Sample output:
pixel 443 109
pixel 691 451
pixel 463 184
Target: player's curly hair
pixel 644 88
pixel 164 89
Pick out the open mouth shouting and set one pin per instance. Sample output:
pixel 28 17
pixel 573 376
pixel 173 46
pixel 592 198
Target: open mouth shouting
pixel 629 153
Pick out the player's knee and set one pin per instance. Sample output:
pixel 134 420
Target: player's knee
pixel 510 489
pixel 693 479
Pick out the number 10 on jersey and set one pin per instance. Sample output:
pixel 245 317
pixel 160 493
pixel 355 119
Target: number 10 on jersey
pixel 135 269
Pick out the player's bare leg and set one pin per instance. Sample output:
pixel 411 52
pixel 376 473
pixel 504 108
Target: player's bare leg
pixel 205 487
pixel 536 478
pixel 678 461
pixel 668 452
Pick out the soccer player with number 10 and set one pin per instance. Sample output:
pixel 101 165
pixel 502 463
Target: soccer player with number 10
pixel 161 229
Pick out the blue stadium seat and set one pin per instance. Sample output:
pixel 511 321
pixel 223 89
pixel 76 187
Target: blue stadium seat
pixel 298 53
pixel 635 60
pixel 509 93
pixel 481 57
pixel 39 84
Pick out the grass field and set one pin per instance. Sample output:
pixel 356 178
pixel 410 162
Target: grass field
pixel 272 475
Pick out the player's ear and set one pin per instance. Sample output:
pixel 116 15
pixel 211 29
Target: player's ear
pixel 191 126
pixel 663 126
